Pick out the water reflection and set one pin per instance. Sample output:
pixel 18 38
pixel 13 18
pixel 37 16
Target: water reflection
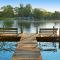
pixel 48 46
pixel 8 46
pixel 24 26
pixel 8 23
pixel 6 55
pixel 7 50
pixel 49 51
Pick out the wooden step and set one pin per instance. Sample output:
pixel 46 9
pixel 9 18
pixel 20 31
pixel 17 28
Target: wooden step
pixel 28 42
pixel 39 58
pixel 28 45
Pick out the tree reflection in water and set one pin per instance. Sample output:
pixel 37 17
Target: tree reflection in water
pixel 8 23
pixel 8 46
pixel 48 46
pixel 24 25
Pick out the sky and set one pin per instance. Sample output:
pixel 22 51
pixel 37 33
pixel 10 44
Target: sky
pixel 49 5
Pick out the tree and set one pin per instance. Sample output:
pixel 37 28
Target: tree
pixel 47 15
pixel 37 14
pixel 24 11
pixel 56 15
pixel 8 11
pixel 21 11
pixel 28 10
pixel 16 9
pixel 0 14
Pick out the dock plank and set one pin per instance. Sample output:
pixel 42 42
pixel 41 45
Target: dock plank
pixel 9 34
pixel 48 39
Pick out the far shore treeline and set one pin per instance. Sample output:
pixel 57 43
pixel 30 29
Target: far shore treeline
pixel 27 11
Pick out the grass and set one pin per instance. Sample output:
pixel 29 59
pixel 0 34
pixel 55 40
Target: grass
pixel 8 18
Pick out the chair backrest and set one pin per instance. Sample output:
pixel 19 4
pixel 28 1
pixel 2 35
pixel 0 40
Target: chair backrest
pixel 48 31
pixel 9 31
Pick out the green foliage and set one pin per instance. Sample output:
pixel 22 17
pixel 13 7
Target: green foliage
pixel 27 11
pixel 24 11
pixel 56 15
pixel 21 11
pixel 37 14
pixel 1 14
pixel 8 11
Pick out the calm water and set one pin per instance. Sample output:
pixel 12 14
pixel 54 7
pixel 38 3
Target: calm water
pixel 49 51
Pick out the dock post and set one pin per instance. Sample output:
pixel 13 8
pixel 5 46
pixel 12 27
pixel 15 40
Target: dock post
pixel 36 29
pixel 53 29
pixel 59 38
pixel 59 31
pixel 21 27
pixel 59 45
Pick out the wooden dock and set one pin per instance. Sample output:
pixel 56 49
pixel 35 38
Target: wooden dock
pixel 48 35
pixel 27 48
pixel 9 34
pixel 27 42
pixel 48 39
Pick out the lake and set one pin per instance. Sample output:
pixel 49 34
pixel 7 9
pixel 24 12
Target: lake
pixel 49 50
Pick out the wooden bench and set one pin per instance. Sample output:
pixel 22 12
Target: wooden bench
pixel 48 35
pixel 48 31
pixel 9 34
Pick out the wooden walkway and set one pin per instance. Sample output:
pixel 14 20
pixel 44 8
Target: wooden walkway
pixel 27 48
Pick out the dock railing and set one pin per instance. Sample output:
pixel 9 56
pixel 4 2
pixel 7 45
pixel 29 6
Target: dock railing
pixel 9 34
pixel 9 30
pixel 48 35
pixel 48 32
